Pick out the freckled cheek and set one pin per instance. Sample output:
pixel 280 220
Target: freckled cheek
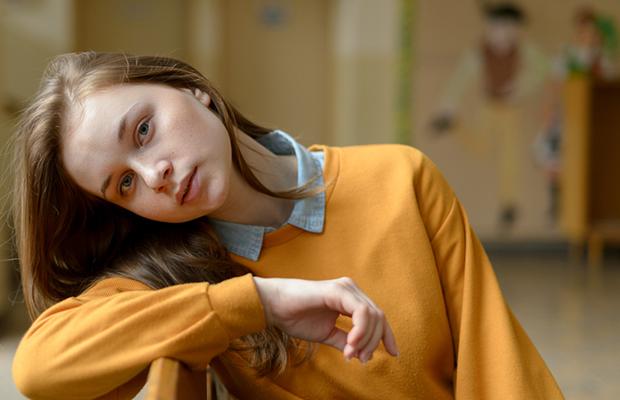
pixel 149 206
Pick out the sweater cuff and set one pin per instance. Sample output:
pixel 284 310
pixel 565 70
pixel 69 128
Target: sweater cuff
pixel 237 304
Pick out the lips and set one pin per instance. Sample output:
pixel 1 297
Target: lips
pixel 184 187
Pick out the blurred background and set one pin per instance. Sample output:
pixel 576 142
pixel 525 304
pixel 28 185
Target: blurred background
pixel 518 103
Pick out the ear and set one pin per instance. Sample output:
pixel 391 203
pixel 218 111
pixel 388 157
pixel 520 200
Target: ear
pixel 202 97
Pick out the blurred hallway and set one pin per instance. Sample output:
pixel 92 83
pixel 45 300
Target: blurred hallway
pixel 568 309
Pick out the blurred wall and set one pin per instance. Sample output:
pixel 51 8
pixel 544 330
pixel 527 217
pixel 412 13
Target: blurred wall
pixel 323 70
pixel 276 57
pixel 205 36
pixel 31 32
pixel 366 53
pixel 4 188
pixel 136 26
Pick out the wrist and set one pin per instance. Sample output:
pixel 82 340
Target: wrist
pixel 264 292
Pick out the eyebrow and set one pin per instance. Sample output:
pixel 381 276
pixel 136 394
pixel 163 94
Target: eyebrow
pixel 122 127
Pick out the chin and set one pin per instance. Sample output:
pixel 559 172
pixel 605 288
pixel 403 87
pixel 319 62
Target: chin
pixel 172 219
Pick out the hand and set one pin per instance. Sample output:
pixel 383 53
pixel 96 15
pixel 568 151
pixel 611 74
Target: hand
pixel 308 310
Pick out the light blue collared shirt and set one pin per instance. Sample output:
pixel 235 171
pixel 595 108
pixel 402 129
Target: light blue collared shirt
pixel 308 213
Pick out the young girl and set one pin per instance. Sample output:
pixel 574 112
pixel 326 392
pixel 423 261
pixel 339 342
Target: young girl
pixel 115 148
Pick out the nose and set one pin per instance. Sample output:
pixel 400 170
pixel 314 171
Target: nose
pixel 157 175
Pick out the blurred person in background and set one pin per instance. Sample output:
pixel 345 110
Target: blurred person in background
pixel 506 69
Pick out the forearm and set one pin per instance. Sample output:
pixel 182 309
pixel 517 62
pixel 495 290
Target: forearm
pixel 84 349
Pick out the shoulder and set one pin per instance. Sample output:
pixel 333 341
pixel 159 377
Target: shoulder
pixel 397 173
pixel 389 166
pixel 383 154
pixel 112 285
pixel 399 159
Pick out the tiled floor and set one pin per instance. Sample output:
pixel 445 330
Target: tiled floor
pixel 571 312
pixel 9 337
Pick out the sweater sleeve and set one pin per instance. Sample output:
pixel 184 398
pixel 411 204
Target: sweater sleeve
pixel 495 359
pixel 98 343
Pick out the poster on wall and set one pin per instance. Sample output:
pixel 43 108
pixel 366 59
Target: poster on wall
pixel 493 121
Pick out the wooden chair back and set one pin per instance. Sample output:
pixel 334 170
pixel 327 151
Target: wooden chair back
pixel 170 379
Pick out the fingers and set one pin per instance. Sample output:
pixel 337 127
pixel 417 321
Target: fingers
pixel 364 321
pixel 389 341
pixel 369 347
pixel 383 332
pixel 362 326
pixel 370 326
pixel 374 332
pixel 337 338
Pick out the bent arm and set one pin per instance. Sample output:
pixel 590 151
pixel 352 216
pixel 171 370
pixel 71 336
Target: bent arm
pixel 495 359
pixel 88 346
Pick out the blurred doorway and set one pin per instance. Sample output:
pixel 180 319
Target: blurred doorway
pixel 276 58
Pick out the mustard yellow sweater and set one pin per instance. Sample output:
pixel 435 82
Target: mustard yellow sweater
pixel 393 225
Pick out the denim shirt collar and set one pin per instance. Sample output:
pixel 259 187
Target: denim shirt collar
pixel 308 213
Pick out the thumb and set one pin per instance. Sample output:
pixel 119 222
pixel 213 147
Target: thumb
pixel 337 338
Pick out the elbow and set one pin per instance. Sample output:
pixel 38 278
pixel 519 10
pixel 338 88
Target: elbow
pixel 26 385
pixel 30 374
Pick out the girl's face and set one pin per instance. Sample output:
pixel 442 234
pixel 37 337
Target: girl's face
pixel 152 149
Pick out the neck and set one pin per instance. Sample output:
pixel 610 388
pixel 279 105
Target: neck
pixel 245 204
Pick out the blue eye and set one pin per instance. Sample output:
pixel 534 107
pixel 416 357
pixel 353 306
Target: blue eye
pixel 143 131
pixel 126 182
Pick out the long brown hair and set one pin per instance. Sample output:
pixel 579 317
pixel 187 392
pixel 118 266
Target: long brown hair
pixel 164 254
pixel 68 239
